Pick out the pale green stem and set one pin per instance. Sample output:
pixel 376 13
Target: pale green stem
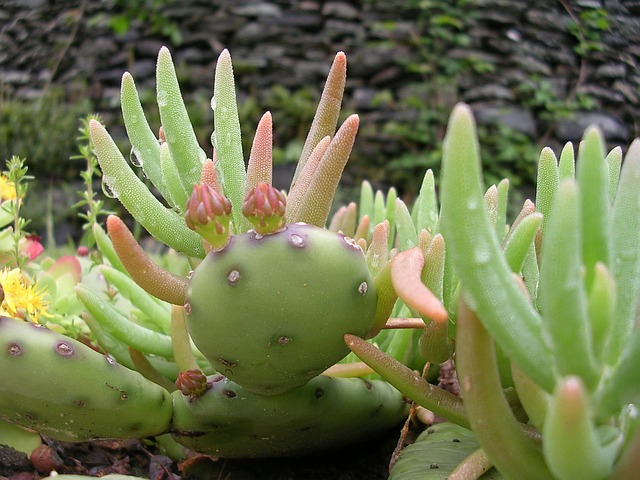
pixel 409 382
pixel 492 421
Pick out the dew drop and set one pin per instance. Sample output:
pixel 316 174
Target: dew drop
pixel 473 204
pixel 187 308
pixel 214 139
pixel 110 360
pixel 233 277
pixel 482 256
pixel 108 189
pixel 362 288
pixel 135 158
pixel 296 240
pixel 14 350
pixel 162 98
pixel 213 103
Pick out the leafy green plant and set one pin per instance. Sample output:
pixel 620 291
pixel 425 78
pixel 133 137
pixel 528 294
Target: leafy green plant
pixel 535 309
pixel 25 131
pixel 248 247
pixel 587 27
pixel 148 12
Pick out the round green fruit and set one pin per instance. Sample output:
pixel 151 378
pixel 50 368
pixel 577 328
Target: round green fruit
pixel 270 312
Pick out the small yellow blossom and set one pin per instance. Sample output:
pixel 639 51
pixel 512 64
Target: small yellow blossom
pixel 7 189
pixel 20 296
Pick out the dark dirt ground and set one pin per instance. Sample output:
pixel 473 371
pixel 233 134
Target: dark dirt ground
pixel 365 461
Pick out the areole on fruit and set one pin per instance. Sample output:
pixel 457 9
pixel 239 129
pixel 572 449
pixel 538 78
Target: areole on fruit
pixel 269 311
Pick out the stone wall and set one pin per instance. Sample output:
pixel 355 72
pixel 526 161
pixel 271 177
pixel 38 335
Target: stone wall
pixel 519 43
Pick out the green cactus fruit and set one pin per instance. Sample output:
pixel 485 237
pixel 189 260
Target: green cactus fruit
pixel 68 391
pixel 285 299
pixel 229 421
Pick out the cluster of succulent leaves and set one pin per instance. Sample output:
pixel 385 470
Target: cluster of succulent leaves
pixel 539 313
pixel 542 312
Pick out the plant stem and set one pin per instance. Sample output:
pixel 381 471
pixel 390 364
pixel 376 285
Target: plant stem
pixel 491 419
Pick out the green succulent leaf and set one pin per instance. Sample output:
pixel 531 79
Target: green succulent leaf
pixel 547 183
pixel 567 163
pixel 477 257
pixel 115 323
pixel 625 235
pixel 563 299
pixel 501 436
pixel 182 141
pixel 366 201
pixel 144 143
pixel 175 193
pixel 520 240
pixel 407 235
pixel 614 164
pixel 593 177
pixel 164 224
pixel 226 139
pixel 572 445
pixel 427 205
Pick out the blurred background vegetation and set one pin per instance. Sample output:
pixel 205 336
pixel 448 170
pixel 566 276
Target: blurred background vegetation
pixel 44 129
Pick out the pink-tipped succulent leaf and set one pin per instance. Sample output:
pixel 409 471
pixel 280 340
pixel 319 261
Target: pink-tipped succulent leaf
pixel 207 213
pixel 264 206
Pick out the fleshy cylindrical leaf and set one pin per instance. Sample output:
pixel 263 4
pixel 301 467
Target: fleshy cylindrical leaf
pixel 563 300
pixel 478 260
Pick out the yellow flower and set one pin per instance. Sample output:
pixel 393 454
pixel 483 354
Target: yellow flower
pixel 7 189
pixel 20 296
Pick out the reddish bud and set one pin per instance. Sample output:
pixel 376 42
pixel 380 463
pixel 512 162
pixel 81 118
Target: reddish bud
pixel 192 383
pixel 207 212
pixel 264 206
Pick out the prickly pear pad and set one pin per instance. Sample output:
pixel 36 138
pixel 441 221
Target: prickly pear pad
pixel 69 392
pixel 228 421
pixel 270 311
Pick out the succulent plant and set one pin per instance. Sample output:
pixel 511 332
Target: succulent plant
pixel 542 313
pixel 250 335
pixel 247 354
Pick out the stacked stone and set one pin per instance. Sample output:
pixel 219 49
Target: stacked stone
pixel 291 43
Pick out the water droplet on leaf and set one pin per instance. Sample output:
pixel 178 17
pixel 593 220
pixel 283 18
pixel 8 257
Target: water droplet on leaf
pixel 162 98
pixel 108 189
pixel 135 158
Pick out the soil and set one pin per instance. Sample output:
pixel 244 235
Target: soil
pixel 368 461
